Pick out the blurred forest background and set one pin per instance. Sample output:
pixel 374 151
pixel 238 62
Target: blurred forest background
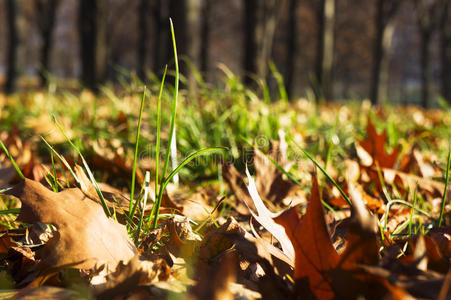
pixel 397 51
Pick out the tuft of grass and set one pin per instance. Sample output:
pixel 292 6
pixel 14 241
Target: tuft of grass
pixel 157 148
pixel 135 157
pixel 159 197
pixel 440 219
pixel 88 170
pixel 141 218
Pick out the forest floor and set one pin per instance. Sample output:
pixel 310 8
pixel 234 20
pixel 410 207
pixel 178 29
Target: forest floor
pixel 273 198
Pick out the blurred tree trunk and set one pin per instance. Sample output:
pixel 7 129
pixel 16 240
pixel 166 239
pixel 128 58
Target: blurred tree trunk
pixel 325 50
pixel 46 23
pixel 143 8
pixel 160 11
pixel 205 42
pixel 384 22
pixel 445 51
pixel 292 48
pixel 428 17
pixel 260 19
pixel 186 16
pixel 13 42
pixel 93 50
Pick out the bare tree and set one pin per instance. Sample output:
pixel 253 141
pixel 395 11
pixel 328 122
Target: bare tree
pixel 292 46
pixel 428 19
pixel 445 51
pixel 93 50
pixel 13 42
pixel 205 39
pixel 384 22
pixel 260 19
pixel 187 25
pixel 143 8
pixel 325 50
pixel 46 10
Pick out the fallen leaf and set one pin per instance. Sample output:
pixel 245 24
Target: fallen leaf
pixel 269 179
pixel 129 276
pixel 213 282
pixel 374 145
pixel 85 236
pixel 320 272
pixel 266 219
pixel 314 252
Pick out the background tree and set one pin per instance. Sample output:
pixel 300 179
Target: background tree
pixel 445 51
pixel 260 20
pixel 46 13
pixel 292 56
pixel 205 39
pixel 141 54
pixel 428 18
pixel 186 16
pixel 322 84
pixel 161 55
pixel 93 50
pixel 385 26
pixel 13 41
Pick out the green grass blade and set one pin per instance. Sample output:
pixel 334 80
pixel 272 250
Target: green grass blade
pixel 88 170
pixel 322 170
pixel 96 186
pixel 275 163
pixel 156 207
pixel 446 188
pixel 157 148
pixel 280 84
pixel 135 157
pixel 146 193
pixel 12 161
pixel 174 102
pixel 64 161
pixel 2 191
pixel 10 211
pixel 412 210
pixel 55 180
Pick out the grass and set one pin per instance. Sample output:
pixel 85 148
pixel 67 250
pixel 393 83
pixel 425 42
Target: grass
pixel 227 115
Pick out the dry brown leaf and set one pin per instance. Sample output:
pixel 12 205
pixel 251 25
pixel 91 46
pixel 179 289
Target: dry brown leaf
pixel 129 276
pixel 47 292
pixel 86 236
pixel 213 282
pixel 269 180
pixel 411 181
pixel 7 174
pixel 266 219
pixel 110 193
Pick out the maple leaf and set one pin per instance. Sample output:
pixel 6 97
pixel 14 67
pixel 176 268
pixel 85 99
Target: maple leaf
pixel 322 273
pixel 374 145
pixel 86 236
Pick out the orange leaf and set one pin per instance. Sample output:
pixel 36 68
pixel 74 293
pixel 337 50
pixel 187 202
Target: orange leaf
pixel 374 145
pixel 315 255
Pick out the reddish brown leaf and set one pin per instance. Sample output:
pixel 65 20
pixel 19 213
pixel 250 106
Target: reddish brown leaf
pixel 314 252
pixel 322 273
pixel 374 145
